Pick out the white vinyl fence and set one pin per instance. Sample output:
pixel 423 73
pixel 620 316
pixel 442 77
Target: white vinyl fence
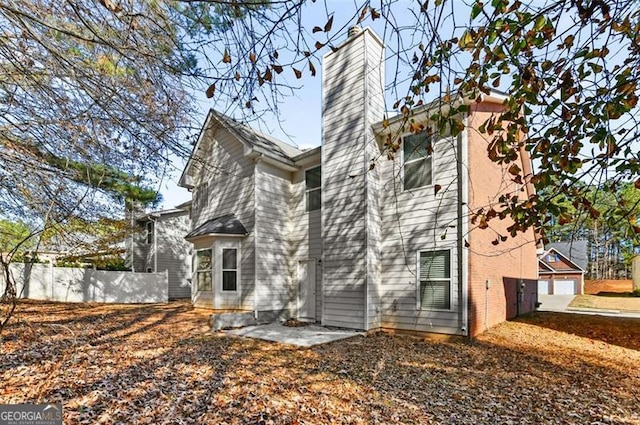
pixel 45 282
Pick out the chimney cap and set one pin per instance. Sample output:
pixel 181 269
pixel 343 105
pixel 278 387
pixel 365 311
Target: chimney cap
pixel 354 30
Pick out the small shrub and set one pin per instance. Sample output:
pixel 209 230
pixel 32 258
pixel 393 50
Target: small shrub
pixel 636 292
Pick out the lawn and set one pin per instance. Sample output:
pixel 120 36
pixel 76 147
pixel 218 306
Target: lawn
pixel 159 364
pixel 611 301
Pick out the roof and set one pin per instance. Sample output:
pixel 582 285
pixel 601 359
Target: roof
pixel 255 138
pixel 260 143
pixel 576 251
pixel 180 209
pixel 543 262
pixel 223 225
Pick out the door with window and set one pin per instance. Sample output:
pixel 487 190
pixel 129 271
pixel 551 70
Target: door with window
pixel 307 289
pixel 227 275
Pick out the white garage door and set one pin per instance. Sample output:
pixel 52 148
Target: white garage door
pixel 564 287
pixel 543 287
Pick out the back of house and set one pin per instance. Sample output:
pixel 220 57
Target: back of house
pixel 373 229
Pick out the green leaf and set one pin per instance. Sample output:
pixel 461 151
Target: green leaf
pixel 476 9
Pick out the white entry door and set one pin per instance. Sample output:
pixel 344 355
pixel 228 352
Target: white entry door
pixel 307 289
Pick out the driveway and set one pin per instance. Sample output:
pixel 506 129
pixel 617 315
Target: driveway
pixel 557 303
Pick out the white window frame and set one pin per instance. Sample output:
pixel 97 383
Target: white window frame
pixel 196 271
pixel 431 158
pixel 236 270
pixel 307 191
pixel 450 279
pixel 150 229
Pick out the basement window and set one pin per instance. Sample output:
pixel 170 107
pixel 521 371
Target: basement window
pixel 435 280
pixel 418 160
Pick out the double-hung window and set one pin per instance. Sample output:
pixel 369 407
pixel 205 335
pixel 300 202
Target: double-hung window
pixel 418 160
pixel 313 192
pixel 435 280
pixel 229 269
pixel 203 269
pixel 149 236
pixel 202 196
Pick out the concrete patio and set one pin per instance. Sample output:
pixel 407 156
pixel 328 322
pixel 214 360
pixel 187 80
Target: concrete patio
pixel 301 336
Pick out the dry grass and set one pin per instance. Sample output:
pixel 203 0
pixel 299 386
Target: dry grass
pixel 606 302
pixel 159 364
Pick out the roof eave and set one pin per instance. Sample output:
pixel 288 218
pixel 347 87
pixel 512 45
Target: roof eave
pixel 215 235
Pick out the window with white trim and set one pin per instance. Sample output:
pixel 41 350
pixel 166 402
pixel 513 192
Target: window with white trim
pixel 435 280
pixel 418 160
pixel 553 257
pixel 203 269
pixel 313 188
pixel 149 236
pixel 229 269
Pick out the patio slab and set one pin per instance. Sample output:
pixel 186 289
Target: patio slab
pixel 302 336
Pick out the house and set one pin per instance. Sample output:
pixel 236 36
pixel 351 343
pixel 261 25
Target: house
pixel 159 246
pixel 559 274
pixel 343 236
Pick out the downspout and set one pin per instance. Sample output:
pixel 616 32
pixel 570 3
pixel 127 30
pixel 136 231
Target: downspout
pixel 255 238
pixel 463 206
pixel 155 244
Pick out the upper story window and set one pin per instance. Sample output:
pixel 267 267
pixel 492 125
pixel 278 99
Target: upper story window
pixel 552 257
pixel 149 235
pixel 202 196
pixel 418 160
pixel 313 182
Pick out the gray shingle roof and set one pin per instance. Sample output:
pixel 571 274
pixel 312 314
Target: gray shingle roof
pixel 575 251
pixel 224 225
pixel 256 139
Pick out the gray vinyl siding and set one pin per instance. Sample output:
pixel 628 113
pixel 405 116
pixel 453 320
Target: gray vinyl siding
pixel 349 262
pixel 174 252
pixel 419 220
pixel 306 236
pixel 230 177
pixel 273 248
pixel 374 78
pixel 142 251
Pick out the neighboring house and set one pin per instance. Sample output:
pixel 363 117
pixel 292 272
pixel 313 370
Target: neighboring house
pixel 159 246
pixel 558 274
pixel 577 251
pixel 340 234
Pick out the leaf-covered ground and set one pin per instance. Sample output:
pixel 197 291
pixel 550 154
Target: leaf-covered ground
pixel 159 364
